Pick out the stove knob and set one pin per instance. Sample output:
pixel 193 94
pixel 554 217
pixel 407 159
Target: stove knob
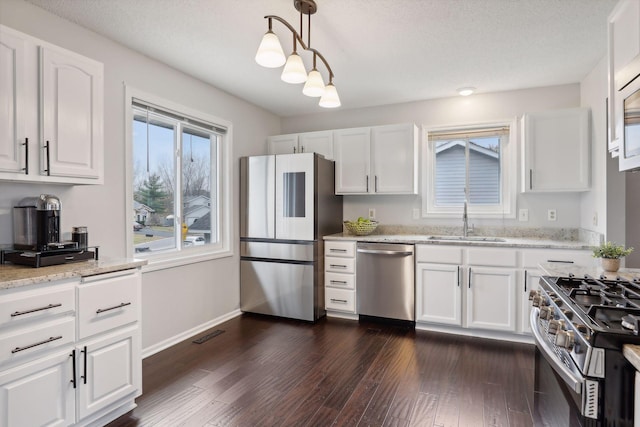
pixel 535 301
pixel 557 301
pixel 546 313
pixel 565 339
pixel 568 313
pixel 555 326
pixel 580 327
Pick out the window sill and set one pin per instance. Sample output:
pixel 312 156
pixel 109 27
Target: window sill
pixel 182 258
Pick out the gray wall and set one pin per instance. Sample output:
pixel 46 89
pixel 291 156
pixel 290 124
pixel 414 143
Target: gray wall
pixel 176 301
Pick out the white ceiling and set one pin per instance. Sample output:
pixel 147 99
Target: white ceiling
pixel 381 51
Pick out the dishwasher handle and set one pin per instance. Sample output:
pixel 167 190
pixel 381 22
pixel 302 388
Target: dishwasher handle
pixel 384 252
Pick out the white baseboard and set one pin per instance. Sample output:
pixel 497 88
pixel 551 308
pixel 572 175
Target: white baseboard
pixel 151 350
pixel 339 315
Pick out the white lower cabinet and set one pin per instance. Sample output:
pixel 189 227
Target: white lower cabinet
pixel 340 276
pixel 491 302
pixel 70 351
pixel 109 370
pixel 39 393
pixel 531 278
pixel 438 294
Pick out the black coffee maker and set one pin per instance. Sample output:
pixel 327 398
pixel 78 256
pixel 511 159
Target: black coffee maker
pixel 36 223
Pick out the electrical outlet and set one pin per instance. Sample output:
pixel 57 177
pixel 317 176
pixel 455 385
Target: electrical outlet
pixel 416 213
pixel 523 215
pixel 372 213
pixel 551 215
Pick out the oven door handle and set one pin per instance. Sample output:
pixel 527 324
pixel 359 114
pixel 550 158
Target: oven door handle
pixel 572 380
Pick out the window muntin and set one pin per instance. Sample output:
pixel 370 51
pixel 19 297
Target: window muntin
pixel 171 153
pixel 475 164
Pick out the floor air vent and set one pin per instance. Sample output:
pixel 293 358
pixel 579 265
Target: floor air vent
pixel 208 336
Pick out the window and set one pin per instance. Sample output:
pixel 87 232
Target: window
pixel 473 165
pixel 178 195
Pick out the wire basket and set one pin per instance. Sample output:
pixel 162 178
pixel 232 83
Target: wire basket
pixel 360 228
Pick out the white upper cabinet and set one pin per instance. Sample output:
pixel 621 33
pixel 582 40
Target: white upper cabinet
pixel 51 112
pixel 624 50
pixel 72 114
pixel 556 151
pixel 377 160
pixel 320 142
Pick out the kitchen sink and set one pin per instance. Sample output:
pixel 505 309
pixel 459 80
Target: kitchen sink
pixel 467 239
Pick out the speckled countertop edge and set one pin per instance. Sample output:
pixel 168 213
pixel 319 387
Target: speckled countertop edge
pixel 14 276
pixel 509 242
pixel 632 353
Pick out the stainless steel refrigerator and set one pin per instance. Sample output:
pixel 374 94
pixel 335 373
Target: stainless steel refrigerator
pixel 287 204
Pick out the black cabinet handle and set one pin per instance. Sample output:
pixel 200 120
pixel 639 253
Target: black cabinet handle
pixel 19 349
pixel 20 313
pixel 367 183
pixel 26 156
pixel 73 366
pixel 530 179
pixel 469 277
pixel 525 281
pixel 84 377
pixel 376 184
pixel 344 301
pixel 47 150
pixel 458 276
pixel 102 310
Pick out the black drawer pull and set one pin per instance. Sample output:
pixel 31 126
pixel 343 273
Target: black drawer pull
pixel 337 266
pixel 102 310
pixel 20 313
pixel 337 250
pixel 344 301
pixel 18 349
pixel 342 282
pixel 559 260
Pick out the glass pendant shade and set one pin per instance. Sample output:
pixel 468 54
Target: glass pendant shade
pixel 314 85
pixel 270 52
pixel 330 97
pixel 294 71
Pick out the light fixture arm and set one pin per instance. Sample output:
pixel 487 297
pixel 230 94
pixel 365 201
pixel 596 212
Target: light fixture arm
pixel 304 45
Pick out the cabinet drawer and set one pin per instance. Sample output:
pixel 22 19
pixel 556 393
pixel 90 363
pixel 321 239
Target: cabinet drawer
pixel 340 265
pixel 493 257
pixel 107 303
pixel 341 249
pixel 340 300
pixel 339 280
pixel 438 254
pixel 25 342
pixel 38 304
pixel 532 257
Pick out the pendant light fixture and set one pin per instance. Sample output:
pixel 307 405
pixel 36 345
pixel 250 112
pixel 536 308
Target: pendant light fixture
pixel 270 55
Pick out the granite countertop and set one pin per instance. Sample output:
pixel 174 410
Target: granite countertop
pixel 510 242
pixel 632 354
pixel 13 276
pixel 563 269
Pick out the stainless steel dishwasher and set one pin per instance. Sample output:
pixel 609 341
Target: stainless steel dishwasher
pixel 385 280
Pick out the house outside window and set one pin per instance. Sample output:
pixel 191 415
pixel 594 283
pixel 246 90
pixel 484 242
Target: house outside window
pixel 476 165
pixel 178 181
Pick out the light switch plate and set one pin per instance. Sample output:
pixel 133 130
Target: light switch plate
pixel 372 213
pixel 523 215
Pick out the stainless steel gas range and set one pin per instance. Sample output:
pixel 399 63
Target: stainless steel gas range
pixel 580 325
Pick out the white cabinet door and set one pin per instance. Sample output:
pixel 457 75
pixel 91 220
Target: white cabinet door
pixel 283 144
pixel 394 158
pixel 110 368
pixel 352 157
pixel 491 302
pixel 40 393
pixel 531 280
pixel 438 294
pixel 72 114
pixel 12 102
pixel 557 151
pixel 317 142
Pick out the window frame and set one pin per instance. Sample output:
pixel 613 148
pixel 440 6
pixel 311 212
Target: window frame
pixel 223 182
pixel 508 175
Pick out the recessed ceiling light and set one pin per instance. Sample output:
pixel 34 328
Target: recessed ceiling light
pixel 466 91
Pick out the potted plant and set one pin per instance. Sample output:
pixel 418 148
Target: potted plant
pixel 610 255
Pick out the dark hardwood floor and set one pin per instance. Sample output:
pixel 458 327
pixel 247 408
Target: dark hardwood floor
pixel 271 372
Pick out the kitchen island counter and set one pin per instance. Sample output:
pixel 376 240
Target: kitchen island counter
pixel 510 242
pixel 13 276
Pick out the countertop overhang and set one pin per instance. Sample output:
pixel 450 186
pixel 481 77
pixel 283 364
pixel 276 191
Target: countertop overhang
pixel 13 276
pixel 508 242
